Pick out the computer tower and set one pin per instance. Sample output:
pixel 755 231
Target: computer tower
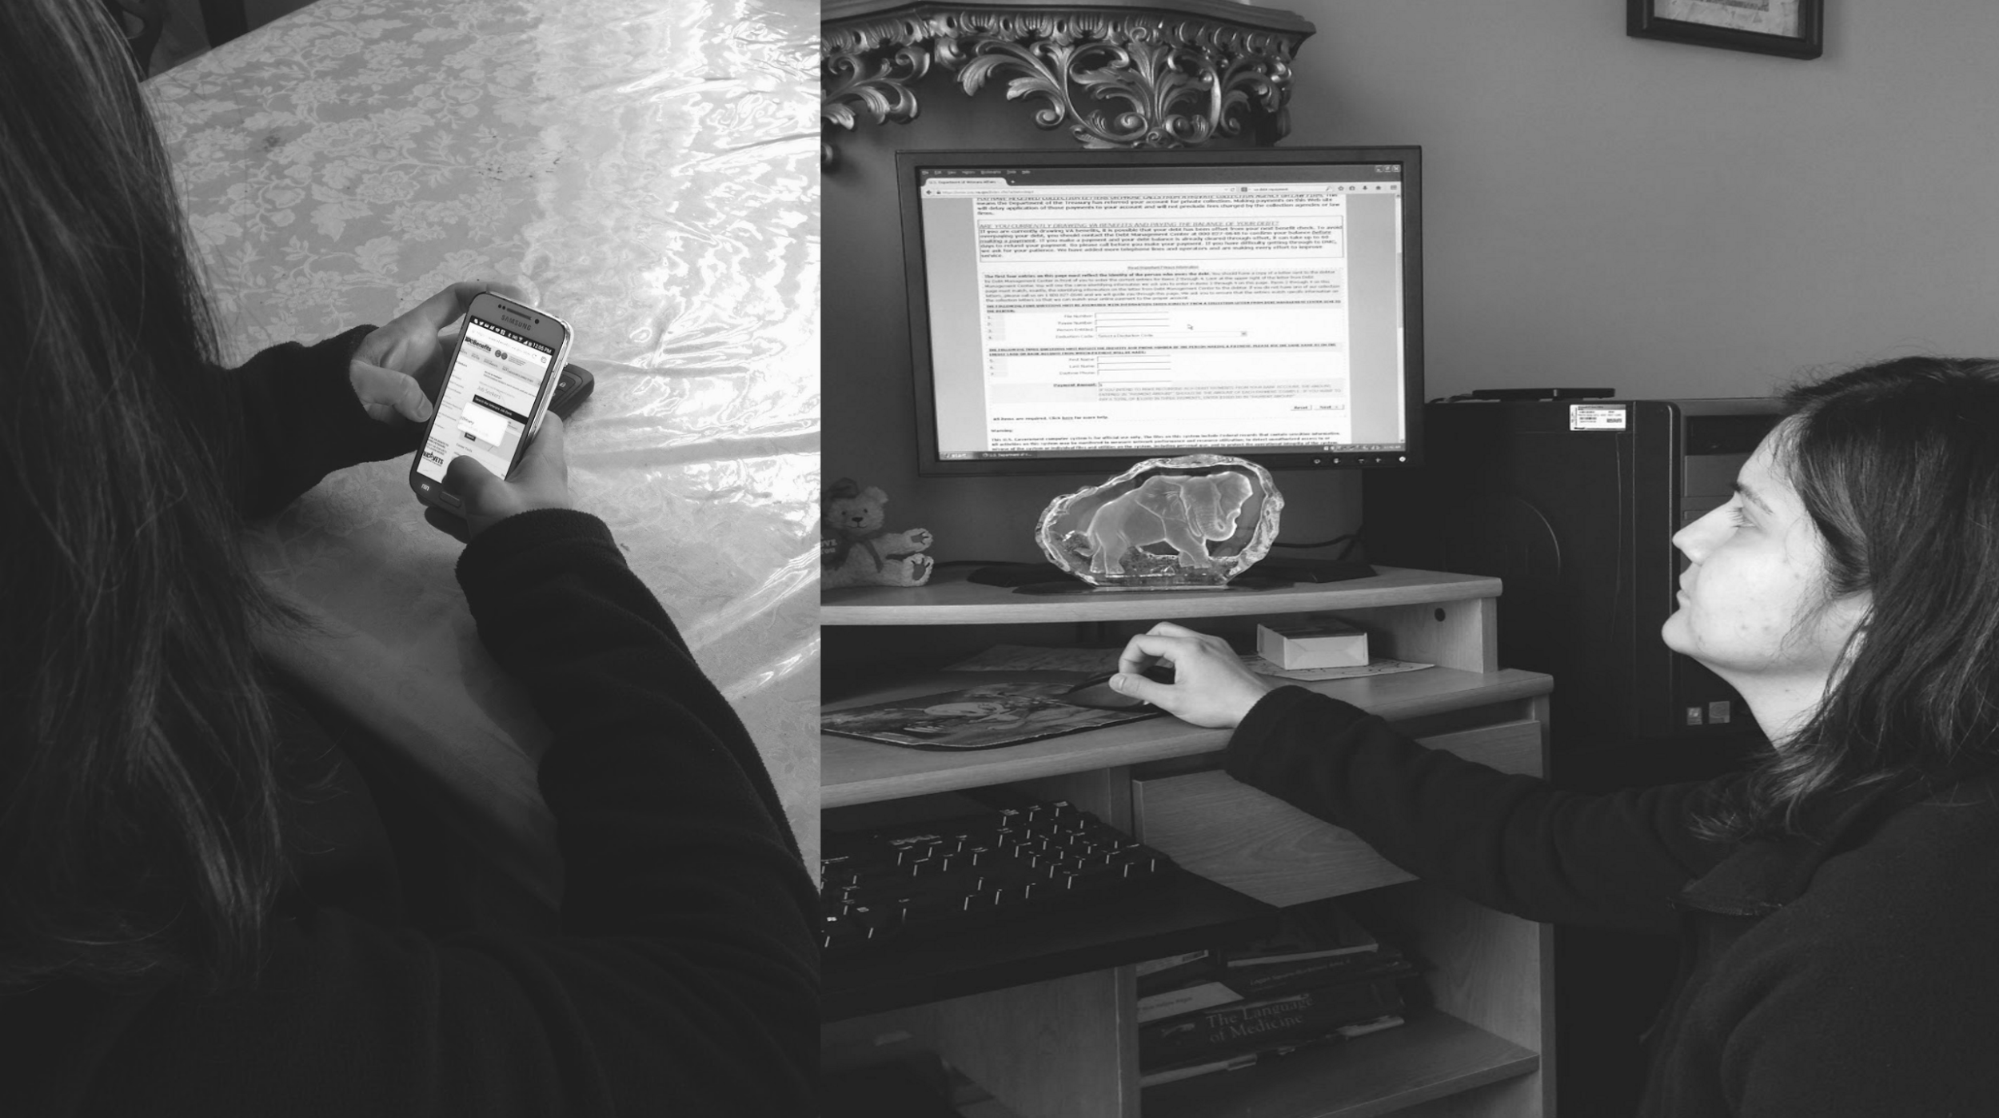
pixel 1573 504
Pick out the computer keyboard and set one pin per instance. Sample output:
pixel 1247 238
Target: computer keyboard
pixel 940 877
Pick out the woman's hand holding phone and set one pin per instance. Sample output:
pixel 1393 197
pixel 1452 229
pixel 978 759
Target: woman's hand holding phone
pixel 397 370
pixel 541 481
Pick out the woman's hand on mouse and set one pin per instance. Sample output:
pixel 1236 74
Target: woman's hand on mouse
pixel 541 481
pixel 397 369
pixel 1210 686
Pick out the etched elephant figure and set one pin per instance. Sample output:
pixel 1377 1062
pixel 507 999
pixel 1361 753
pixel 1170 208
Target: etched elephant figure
pixel 1186 512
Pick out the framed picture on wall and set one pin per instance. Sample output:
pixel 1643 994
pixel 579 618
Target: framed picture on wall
pixel 1793 28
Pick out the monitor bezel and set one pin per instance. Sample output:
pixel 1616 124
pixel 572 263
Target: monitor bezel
pixel 930 464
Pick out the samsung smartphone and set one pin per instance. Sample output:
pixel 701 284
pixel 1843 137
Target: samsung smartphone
pixel 494 395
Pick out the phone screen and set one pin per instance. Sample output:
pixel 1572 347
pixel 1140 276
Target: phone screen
pixel 488 398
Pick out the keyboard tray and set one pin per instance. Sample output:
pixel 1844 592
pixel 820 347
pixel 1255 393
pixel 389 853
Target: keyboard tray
pixel 1170 912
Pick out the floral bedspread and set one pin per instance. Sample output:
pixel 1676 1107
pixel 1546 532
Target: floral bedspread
pixel 648 171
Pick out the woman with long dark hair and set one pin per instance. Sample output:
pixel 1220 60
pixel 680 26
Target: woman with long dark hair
pixel 155 954
pixel 1838 902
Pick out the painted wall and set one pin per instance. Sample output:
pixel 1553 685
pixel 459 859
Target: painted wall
pixel 1663 219
pixel 1677 220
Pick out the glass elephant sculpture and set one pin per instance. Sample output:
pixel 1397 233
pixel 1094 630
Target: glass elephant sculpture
pixel 1195 521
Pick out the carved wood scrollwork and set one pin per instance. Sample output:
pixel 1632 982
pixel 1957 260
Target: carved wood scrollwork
pixel 1117 77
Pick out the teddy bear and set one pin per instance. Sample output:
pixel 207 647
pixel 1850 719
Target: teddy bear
pixel 854 550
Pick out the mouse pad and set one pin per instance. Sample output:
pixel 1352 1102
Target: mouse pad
pixel 984 717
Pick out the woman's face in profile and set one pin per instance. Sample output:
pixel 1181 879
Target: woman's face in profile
pixel 1752 600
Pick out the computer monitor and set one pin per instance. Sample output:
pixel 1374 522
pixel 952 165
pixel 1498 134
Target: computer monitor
pixel 1071 308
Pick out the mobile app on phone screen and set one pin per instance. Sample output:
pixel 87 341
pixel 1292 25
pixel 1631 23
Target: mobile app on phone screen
pixel 487 400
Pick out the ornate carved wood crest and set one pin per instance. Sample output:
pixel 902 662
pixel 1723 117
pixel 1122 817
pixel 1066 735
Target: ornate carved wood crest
pixel 1119 75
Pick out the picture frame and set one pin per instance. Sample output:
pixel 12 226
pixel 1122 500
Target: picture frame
pixel 1790 28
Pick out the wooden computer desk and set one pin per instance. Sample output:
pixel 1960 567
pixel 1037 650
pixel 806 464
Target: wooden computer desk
pixel 1067 1045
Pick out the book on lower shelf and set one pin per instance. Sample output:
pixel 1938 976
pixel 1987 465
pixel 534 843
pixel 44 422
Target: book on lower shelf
pixel 1319 977
pixel 1319 930
pixel 1205 1065
pixel 1225 987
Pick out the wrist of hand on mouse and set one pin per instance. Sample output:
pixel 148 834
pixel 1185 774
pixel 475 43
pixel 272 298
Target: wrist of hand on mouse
pixel 1210 685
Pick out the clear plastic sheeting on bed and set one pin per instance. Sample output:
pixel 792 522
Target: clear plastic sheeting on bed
pixel 648 171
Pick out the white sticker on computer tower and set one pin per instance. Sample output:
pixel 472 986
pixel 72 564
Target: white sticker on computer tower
pixel 1597 417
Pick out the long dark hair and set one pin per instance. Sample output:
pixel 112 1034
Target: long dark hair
pixel 138 812
pixel 1898 466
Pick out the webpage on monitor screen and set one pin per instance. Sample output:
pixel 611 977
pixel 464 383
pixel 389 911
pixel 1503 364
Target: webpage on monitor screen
pixel 1165 307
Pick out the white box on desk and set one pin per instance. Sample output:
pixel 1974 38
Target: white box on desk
pixel 1315 642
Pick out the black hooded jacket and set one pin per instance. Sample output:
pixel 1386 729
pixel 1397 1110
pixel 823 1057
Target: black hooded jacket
pixel 684 979
pixel 1852 973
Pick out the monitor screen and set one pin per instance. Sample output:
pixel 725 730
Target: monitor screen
pixel 1069 309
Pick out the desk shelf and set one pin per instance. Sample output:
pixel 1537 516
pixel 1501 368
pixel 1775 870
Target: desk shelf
pixel 948 599
pixel 1431 1057
pixel 853 771
pixel 1066 1045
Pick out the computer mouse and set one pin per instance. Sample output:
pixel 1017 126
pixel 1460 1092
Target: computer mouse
pixel 1096 691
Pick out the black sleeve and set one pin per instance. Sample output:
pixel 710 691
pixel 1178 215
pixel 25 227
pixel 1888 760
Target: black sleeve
pixel 301 421
pixel 1511 842
pixel 678 861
